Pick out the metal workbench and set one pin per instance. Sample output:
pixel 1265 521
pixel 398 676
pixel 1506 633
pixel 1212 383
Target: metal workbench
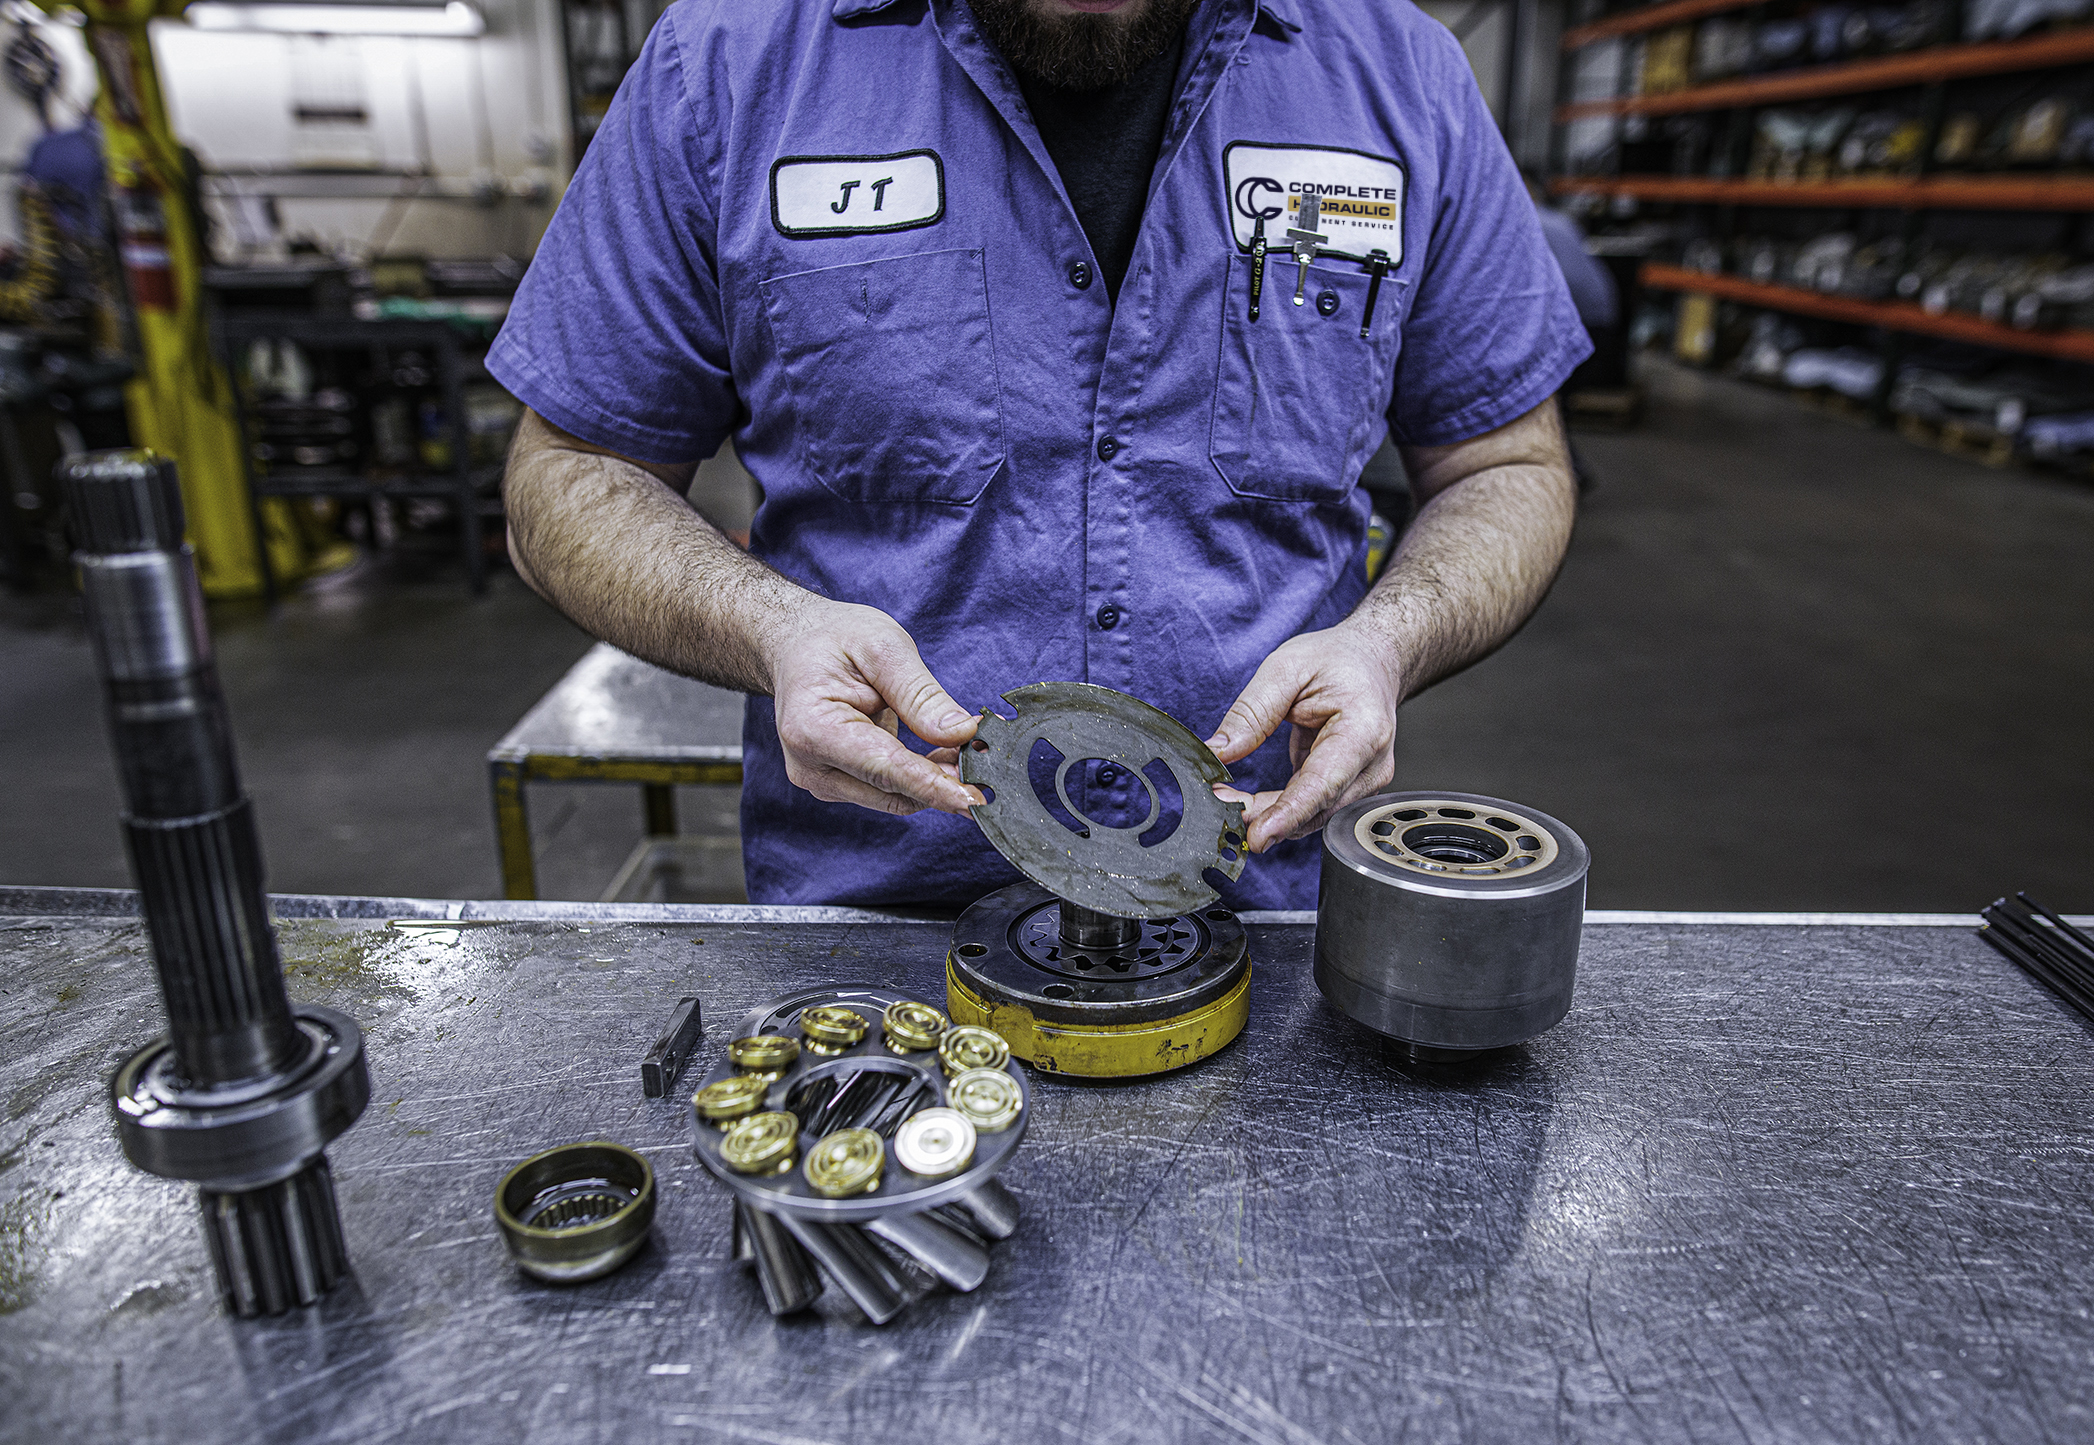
pixel 1828 1180
pixel 613 719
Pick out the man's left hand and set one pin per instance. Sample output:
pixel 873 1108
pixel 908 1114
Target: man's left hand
pixel 1493 520
pixel 1339 687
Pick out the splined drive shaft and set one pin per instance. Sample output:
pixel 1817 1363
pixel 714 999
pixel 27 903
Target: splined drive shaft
pixel 246 1091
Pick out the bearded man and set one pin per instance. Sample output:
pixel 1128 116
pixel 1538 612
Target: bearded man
pixel 1057 333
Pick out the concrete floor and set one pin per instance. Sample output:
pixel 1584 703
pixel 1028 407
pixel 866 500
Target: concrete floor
pixel 1796 663
pixel 1791 664
pixel 364 708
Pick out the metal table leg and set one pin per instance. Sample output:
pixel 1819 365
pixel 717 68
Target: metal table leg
pixel 659 802
pixel 512 829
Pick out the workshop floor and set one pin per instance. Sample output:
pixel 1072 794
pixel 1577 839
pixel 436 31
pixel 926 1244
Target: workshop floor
pixel 1791 663
pixel 365 707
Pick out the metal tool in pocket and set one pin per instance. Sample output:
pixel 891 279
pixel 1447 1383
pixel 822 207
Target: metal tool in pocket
pixel 1305 238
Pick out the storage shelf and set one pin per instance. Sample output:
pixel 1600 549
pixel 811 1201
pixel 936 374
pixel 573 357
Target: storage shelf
pixel 1897 315
pixel 1649 17
pixel 1921 67
pixel 335 481
pixel 1942 193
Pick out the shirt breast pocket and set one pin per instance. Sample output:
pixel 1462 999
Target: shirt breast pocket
pixel 891 367
pixel 1299 390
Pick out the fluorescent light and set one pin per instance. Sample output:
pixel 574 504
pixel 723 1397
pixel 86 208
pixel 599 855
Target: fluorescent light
pixel 456 18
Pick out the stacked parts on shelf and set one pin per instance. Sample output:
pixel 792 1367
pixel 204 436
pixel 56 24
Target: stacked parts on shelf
pixel 1881 204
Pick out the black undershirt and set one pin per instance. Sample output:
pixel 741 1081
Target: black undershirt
pixel 1104 143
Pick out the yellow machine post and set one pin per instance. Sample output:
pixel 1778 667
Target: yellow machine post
pixel 181 403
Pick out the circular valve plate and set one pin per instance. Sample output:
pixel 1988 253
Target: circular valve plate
pixel 1149 868
pixel 1177 995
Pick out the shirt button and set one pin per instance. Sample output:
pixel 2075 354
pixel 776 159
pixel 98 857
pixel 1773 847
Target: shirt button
pixel 1108 448
pixel 1327 304
pixel 1108 617
pixel 1080 275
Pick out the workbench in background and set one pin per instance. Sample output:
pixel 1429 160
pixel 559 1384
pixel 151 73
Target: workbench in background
pixel 616 719
pixel 1824 1182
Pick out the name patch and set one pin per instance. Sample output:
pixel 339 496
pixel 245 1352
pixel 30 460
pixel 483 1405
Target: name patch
pixel 1361 196
pixel 856 195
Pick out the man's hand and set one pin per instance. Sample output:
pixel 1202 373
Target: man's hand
pixel 1494 517
pixel 843 677
pixel 609 541
pixel 1340 689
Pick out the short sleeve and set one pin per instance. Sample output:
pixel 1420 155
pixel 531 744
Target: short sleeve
pixel 616 334
pixel 1492 332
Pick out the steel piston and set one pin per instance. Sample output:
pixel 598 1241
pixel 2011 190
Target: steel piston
pixel 893 1131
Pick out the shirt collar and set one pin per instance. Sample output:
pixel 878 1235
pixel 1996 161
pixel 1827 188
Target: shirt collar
pixel 1281 12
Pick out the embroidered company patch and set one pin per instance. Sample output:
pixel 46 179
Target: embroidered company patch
pixel 1362 195
pixel 852 195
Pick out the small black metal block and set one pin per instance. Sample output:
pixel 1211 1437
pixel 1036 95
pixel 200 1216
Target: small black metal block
pixel 666 1060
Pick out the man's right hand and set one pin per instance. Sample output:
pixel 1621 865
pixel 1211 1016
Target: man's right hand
pixel 842 677
pixel 612 543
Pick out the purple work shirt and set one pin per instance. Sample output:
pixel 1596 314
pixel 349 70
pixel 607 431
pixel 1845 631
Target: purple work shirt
pixel 829 230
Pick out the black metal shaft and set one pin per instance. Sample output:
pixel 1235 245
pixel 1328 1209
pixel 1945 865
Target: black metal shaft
pixel 244 1094
pixel 277 1246
pixel 189 828
pixel 1087 928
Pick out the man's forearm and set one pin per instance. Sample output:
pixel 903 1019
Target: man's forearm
pixel 1493 521
pixel 610 544
pixel 1480 555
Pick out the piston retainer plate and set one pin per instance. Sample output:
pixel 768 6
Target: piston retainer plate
pixel 899 1191
pixel 1106 868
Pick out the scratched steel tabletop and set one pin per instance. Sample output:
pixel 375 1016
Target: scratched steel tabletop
pixel 1766 1183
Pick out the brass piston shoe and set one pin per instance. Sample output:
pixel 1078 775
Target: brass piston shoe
pixel 1180 994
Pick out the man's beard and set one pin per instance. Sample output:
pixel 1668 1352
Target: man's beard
pixel 1080 52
